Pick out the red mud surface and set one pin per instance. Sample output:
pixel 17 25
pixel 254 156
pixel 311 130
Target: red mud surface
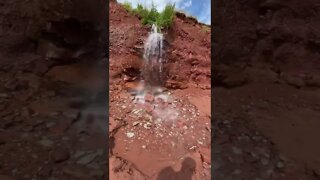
pixel 168 136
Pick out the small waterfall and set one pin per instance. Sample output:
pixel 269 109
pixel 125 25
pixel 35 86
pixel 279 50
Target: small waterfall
pixel 153 61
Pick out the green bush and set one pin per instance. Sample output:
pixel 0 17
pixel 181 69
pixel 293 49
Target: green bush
pixel 152 16
pixel 127 5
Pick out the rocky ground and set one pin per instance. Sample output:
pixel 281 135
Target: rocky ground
pixel 52 93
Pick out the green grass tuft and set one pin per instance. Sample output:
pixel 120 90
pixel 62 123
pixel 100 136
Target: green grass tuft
pixel 127 5
pixel 151 16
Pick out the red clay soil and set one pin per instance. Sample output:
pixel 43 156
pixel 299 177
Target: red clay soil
pixel 173 140
pixel 266 92
pixel 53 123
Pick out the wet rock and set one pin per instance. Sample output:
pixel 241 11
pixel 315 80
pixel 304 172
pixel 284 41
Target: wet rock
pixel 78 154
pixel 60 155
pixel 87 158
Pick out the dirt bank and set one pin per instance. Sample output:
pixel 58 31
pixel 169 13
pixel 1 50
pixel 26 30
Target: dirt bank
pixel 53 118
pixel 266 92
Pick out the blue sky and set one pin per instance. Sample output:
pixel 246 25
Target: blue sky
pixel 201 9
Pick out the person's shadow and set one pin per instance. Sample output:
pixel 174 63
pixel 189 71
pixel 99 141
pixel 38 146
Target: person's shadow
pixel 187 170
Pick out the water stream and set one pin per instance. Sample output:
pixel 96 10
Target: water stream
pixel 153 59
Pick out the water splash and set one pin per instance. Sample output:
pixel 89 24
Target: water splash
pixel 153 56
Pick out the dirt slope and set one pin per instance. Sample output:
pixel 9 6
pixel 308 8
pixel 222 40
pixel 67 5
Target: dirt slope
pixel 266 89
pixel 53 119
pixel 171 141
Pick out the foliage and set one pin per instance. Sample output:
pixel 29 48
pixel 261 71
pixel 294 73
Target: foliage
pixel 127 5
pixel 151 16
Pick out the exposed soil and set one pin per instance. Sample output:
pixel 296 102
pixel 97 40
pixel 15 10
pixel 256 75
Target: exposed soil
pixel 266 89
pixel 53 117
pixel 166 135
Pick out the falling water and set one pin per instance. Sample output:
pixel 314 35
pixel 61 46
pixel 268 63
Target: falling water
pixel 153 64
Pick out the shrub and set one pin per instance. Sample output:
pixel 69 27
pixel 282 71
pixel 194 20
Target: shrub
pixel 152 16
pixel 127 5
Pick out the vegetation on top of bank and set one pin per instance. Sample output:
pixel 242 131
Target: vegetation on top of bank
pixel 151 16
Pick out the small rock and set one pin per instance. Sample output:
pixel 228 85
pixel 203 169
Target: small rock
pixel 87 159
pixel 147 125
pixel 136 123
pixel 79 154
pixel 130 134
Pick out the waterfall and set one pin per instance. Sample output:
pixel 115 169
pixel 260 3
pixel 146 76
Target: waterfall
pixel 153 61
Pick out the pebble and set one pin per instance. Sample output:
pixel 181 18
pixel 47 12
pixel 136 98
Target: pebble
pixel 147 125
pixel 130 134
pixel 87 158
pixel 135 123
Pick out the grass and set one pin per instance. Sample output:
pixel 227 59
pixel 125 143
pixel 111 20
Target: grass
pixel 151 16
pixel 127 6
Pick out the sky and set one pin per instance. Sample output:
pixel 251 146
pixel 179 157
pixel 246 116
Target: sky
pixel 201 9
